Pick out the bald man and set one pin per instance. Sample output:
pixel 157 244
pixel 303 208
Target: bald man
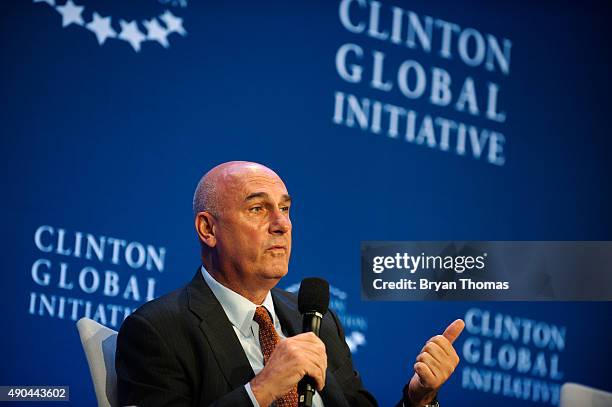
pixel 230 338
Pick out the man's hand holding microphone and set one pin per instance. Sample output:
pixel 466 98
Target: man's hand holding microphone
pixel 303 358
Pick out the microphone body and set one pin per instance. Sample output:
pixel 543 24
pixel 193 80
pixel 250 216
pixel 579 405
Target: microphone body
pixel 311 322
pixel 313 301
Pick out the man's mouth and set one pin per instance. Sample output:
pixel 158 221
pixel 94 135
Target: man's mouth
pixel 277 247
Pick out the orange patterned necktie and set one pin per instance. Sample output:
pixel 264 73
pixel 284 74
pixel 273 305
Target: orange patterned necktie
pixel 268 338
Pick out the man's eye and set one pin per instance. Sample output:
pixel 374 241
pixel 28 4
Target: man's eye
pixel 284 208
pixel 255 209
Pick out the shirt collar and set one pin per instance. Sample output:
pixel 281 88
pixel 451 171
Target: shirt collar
pixel 239 310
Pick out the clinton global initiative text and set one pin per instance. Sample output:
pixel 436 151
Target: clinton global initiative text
pixel 77 271
pixel 412 81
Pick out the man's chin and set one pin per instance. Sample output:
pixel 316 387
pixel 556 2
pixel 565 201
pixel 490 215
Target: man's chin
pixel 275 272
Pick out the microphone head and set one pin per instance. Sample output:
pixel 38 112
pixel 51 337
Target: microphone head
pixel 313 295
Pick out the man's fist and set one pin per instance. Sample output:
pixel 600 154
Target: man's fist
pixel 292 359
pixel 434 365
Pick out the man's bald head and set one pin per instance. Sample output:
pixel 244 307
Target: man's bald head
pixel 241 214
pixel 209 193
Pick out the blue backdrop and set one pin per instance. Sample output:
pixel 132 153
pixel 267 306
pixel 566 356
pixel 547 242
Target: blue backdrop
pixel 111 112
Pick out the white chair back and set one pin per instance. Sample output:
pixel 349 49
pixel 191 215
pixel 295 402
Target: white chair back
pixel 577 395
pixel 99 343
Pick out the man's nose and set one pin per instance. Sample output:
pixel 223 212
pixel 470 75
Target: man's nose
pixel 280 223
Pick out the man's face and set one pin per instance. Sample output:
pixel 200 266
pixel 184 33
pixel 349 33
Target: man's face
pixel 253 229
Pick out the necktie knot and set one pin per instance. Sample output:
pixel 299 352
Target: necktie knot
pixel 262 317
pixel 268 338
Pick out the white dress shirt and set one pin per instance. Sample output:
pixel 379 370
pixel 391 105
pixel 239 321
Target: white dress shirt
pixel 240 312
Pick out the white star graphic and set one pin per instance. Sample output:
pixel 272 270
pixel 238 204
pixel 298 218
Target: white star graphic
pixel 173 23
pixel 131 34
pixel 156 32
pixel 49 2
pixel 101 26
pixel 71 13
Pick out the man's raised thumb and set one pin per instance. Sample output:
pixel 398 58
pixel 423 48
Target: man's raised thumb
pixel 453 331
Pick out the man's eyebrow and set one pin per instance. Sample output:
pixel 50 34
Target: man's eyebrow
pixel 265 195
pixel 256 195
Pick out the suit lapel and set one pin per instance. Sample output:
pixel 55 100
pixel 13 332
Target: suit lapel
pixel 226 347
pixel 218 330
pixel 287 314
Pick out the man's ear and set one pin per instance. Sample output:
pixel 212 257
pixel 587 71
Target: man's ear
pixel 205 226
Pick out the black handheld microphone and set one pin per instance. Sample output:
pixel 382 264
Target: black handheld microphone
pixel 313 301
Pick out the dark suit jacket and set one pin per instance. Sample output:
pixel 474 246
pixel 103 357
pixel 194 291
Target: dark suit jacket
pixel 181 350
